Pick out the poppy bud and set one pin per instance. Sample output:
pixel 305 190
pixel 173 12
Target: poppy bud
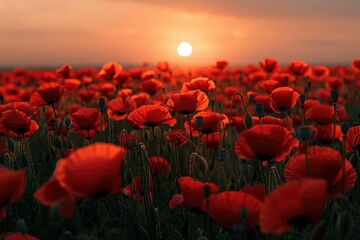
pixel 302 134
pixel 212 103
pixel 251 99
pixel 302 100
pixel 259 109
pixel 67 122
pixel 248 122
pixel 102 104
pixel 286 80
pixel 53 123
pixel 334 96
pixel 344 127
pixel 133 143
pixel 199 122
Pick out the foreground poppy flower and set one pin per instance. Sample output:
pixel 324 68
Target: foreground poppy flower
pixel 19 124
pixel 283 99
pixel 19 236
pixel 202 83
pixel 270 65
pixel 93 170
pixel 189 102
pixel 224 208
pixel 12 185
pixel 324 163
pixel 47 94
pixel 294 204
pixel 352 142
pixel 192 193
pixel 118 108
pixel 265 142
pixel 150 116
pixel 321 114
pixel 86 121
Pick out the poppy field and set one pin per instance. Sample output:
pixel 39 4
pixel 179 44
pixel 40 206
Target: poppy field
pixel 260 151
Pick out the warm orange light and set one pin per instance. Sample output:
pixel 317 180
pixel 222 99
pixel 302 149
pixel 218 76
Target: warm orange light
pixel 184 49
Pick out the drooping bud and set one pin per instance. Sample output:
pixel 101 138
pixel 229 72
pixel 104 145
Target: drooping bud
pixel 199 122
pixel 334 94
pixel 102 104
pixel 259 109
pixel 345 127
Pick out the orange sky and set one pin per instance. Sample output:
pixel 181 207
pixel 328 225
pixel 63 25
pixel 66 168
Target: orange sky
pixel 92 32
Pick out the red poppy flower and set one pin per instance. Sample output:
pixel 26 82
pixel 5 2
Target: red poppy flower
pixel 141 99
pixel 212 141
pixel 123 93
pixel 283 99
pixel 299 68
pixel 151 86
pixel 282 122
pixel 202 83
pixel 19 236
pixel 150 116
pixel 325 133
pixel 86 121
pixel 71 84
pixel 310 103
pixel 192 192
pixel 126 140
pixel 270 65
pixel 47 94
pixel 175 138
pixel 334 83
pixel 24 107
pixel 93 170
pixel 284 78
pixel 265 142
pixel 65 71
pixel 257 191
pixel 149 74
pixel 224 208
pixel 352 142
pixel 356 65
pixel 107 90
pixel 324 163
pixel 295 203
pixel 135 189
pixel 163 66
pixel 211 122
pixel 118 108
pixel 319 73
pixel 12 185
pixel 110 70
pixel 189 102
pixel 19 124
pixel 159 165
pixel 270 85
pixel 11 93
pixel 87 96
pixel 321 114
pixel 135 73
pixel 221 64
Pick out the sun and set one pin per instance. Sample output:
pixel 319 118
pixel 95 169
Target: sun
pixel 184 49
